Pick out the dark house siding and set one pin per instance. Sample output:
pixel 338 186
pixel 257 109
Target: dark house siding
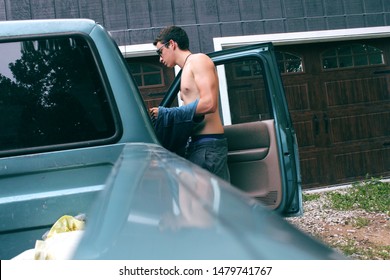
pixel 2 10
pixel 138 21
pixel 91 9
pixel 138 14
pixel 38 9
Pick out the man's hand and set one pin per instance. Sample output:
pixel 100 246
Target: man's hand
pixel 153 112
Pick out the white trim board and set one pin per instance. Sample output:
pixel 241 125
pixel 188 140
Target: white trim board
pixel 303 37
pixel 138 50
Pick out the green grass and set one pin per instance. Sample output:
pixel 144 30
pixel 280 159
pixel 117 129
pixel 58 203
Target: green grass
pixel 310 197
pixel 372 253
pixel 372 195
pixel 360 222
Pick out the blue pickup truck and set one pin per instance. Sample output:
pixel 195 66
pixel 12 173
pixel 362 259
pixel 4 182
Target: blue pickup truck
pixel 76 138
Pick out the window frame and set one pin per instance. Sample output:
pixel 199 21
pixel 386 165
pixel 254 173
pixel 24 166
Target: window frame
pixel 351 55
pixel 285 61
pixel 142 75
pixel 105 86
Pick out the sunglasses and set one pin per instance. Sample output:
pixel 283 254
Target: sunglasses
pixel 159 51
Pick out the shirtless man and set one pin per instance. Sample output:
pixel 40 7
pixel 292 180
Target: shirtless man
pixel 208 146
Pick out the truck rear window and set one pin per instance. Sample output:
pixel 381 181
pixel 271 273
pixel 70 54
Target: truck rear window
pixel 51 93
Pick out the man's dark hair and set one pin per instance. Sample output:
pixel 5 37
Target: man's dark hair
pixel 174 33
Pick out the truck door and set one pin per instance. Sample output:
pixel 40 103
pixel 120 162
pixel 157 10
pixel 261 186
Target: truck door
pixel 263 153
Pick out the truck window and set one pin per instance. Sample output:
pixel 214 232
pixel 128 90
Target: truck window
pixel 51 93
pixel 247 91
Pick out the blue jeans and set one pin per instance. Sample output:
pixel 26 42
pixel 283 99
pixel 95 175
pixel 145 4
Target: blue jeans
pixel 210 154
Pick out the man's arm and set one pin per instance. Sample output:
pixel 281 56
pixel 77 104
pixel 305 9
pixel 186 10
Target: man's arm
pixel 206 81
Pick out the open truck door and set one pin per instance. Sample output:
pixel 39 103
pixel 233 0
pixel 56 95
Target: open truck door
pixel 263 151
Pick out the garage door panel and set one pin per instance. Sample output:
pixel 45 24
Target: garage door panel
pixel 311 170
pixel 298 97
pixel 249 101
pixel 360 127
pixel 356 91
pixel 305 133
pixel 350 165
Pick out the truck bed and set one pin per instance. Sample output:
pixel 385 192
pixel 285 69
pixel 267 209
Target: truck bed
pixel 36 190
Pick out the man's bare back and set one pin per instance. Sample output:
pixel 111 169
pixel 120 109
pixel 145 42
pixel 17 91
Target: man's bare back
pixel 199 80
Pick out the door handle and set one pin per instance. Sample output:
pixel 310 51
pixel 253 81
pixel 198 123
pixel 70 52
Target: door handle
pixel 326 123
pixel 316 125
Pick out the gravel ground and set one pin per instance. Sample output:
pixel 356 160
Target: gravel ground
pixel 345 230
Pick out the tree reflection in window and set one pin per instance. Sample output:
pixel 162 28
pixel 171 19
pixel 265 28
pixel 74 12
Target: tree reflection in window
pixel 51 93
pixel 147 75
pixel 289 63
pixel 353 55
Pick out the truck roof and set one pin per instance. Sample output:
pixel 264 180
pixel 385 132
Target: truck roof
pixel 16 28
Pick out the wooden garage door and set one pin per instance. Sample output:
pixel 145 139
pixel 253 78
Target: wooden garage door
pixel 340 105
pixel 152 78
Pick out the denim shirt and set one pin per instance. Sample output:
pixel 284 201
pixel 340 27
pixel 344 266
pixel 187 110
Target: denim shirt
pixel 174 126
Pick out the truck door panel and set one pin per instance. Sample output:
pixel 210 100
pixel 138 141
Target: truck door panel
pixel 253 160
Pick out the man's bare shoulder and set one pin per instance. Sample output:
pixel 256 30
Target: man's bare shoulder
pixel 201 57
pixel 201 61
